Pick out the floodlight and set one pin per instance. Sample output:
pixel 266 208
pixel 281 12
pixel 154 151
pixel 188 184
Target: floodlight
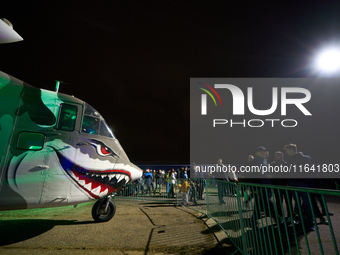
pixel 328 60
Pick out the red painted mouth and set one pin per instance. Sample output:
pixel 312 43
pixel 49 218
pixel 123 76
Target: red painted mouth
pixel 95 183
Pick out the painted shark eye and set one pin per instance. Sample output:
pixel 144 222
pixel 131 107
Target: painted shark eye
pixel 105 150
pixel 102 149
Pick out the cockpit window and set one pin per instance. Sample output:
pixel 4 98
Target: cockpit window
pixel 104 129
pixel 67 117
pixel 93 123
pixel 90 111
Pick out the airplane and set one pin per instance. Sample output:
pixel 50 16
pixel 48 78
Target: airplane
pixel 56 149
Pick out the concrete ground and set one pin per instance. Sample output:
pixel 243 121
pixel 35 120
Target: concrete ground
pixel 137 228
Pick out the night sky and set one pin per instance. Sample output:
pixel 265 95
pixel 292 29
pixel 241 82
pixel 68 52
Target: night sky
pixel 132 60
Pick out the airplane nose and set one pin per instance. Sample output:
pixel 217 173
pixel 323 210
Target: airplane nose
pixel 136 172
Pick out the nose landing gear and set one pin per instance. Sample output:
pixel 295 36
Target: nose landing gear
pixel 103 210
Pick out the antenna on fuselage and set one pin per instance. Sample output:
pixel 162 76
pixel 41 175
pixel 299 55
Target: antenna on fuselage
pixel 58 84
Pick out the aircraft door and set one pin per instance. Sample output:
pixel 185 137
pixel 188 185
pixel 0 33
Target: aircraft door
pixel 25 173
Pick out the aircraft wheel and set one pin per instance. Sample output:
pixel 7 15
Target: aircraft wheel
pixel 98 210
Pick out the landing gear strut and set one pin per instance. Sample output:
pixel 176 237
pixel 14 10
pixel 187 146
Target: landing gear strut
pixel 103 210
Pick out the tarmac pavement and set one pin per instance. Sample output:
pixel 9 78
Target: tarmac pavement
pixel 137 228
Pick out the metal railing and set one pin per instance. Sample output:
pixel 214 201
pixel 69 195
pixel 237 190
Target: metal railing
pixel 258 219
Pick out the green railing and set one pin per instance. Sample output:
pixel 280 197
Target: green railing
pixel 258 219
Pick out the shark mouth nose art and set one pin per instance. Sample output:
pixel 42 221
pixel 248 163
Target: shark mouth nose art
pixel 94 182
pixel 99 184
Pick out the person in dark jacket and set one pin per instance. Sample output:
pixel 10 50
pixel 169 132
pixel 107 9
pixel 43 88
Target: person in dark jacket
pixel 297 159
pixel 262 202
pixel 221 184
pixel 148 177
pixel 159 181
pixel 282 194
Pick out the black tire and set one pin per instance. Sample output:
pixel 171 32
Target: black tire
pixel 98 210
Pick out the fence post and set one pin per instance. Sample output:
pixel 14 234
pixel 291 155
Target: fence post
pixel 244 241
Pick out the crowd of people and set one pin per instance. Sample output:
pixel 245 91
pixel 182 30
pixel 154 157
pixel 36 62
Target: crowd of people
pixel 157 182
pixel 298 211
pixel 167 183
pixel 302 209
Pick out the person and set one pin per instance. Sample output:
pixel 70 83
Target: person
pixel 200 187
pixel 179 178
pixel 193 192
pixel 159 181
pixel 181 172
pixel 185 187
pixel 148 177
pixel 172 181
pixel 314 183
pixel 262 202
pixel 198 182
pixel 233 179
pixel 141 186
pixel 296 159
pixel 166 180
pixel 282 194
pixel 221 185
pixel 153 180
pixel 185 172
pixel 178 173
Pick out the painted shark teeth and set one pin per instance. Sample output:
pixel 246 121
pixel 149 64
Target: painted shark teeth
pixel 96 191
pixel 88 186
pixel 104 193
pixel 119 177
pixel 106 179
